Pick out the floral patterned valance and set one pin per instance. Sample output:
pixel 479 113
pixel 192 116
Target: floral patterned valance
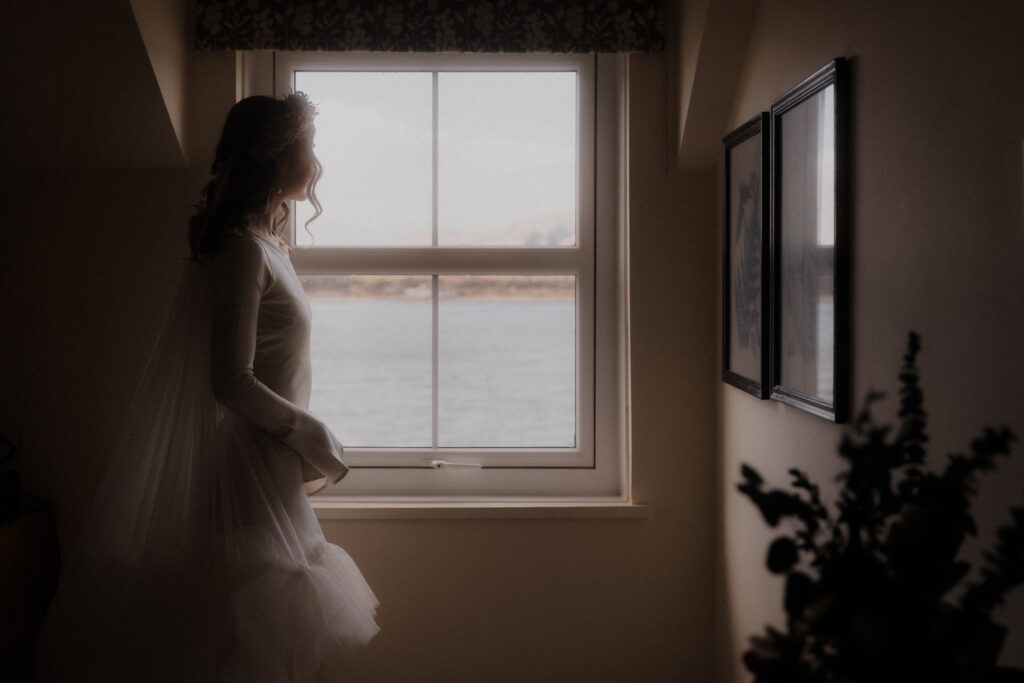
pixel 431 25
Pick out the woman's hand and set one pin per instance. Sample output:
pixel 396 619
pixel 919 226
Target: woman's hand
pixel 316 443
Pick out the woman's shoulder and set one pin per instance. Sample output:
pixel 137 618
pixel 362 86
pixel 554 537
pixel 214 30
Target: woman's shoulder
pixel 242 253
pixel 243 245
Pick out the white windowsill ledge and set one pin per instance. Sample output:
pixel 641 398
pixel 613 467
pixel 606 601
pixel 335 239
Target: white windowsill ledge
pixel 328 509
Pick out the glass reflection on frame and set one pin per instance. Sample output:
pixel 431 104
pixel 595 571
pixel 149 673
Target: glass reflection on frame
pixel 808 238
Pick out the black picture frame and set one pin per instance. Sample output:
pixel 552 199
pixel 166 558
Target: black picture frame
pixel 746 280
pixel 809 235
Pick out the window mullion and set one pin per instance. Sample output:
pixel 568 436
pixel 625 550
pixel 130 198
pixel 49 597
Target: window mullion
pixel 434 367
pixel 434 277
pixel 433 174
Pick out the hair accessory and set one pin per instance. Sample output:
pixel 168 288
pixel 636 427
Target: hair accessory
pixel 292 123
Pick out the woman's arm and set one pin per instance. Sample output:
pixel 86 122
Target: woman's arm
pixel 241 276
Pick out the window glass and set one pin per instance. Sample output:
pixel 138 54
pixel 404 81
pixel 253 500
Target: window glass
pixel 507 158
pixel 372 359
pixel 506 361
pixel 375 142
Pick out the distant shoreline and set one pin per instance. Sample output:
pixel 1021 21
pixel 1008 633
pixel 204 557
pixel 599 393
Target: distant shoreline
pixel 444 296
pixel 413 288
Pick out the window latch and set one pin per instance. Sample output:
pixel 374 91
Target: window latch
pixel 441 464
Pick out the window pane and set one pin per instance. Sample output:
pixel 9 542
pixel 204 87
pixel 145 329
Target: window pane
pixel 375 142
pixel 507 158
pixel 372 364
pixel 506 361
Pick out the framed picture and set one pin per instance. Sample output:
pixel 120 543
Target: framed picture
pixel 745 262
pixel 808 242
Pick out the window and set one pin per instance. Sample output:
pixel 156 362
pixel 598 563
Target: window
pixel 466 277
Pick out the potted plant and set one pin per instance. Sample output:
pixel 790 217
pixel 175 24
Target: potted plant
pixel 869 580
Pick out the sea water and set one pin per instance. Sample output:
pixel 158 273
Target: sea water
pixel 506 372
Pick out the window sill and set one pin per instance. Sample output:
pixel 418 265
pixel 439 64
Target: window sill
pixel 328 509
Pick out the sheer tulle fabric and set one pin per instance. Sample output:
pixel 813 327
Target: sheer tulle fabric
pixel 201 559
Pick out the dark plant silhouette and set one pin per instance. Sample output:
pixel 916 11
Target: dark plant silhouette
pixel 867 582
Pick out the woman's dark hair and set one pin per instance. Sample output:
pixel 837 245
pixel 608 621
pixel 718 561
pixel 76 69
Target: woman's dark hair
pixel 261 136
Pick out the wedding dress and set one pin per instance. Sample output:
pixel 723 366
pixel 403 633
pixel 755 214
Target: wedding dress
pixel 201 559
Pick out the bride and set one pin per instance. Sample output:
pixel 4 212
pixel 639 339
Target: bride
pixel 201 559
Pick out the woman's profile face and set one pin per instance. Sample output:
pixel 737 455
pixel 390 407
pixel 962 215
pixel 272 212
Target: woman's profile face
pixel 298 171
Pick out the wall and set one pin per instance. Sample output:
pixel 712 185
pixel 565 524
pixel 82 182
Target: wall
pixel 68 87
pixel 89 266
pixel 937 242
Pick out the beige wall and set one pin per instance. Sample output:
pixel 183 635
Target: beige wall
pixel 88 268
pixel 74 98
pixel 937 245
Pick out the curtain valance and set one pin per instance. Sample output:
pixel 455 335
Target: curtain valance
pixel 431 25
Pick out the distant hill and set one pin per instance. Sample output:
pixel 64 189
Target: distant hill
pixel 550 231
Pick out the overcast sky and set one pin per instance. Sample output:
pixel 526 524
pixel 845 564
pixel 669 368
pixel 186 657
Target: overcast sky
pixel 506 155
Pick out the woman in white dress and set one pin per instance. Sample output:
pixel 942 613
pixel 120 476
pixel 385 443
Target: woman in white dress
pixel 201 559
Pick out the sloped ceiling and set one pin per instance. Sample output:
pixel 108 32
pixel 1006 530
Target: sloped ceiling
pixel 166 32
pixel 79 90
pixel 714 36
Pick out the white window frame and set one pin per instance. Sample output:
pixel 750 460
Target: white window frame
pixel 596 469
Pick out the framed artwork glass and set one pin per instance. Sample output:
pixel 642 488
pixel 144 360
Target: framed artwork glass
pixel 809 242
pixel 745 262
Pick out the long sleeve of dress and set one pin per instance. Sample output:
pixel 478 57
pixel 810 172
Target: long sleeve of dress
pixel 242 275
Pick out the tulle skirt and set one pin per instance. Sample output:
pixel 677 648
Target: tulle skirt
pixel 201 559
